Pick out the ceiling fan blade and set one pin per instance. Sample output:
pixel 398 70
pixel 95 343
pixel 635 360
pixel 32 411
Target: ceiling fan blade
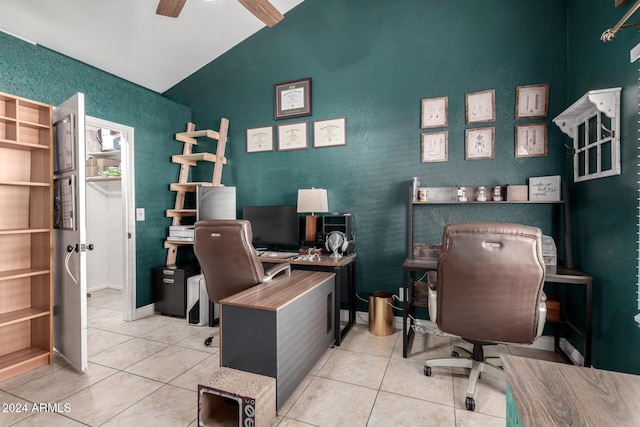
pixel 264 11
pixel 170 8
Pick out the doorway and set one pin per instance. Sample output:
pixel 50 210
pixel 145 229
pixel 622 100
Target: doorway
pixel 110 210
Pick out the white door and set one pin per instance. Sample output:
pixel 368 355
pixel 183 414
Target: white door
pixel 70 278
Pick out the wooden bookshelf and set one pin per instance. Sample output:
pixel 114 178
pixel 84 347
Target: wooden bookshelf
pixel 26 222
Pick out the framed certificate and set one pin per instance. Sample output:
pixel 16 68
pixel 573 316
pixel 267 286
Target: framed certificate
pixel 329 133
pixel 292 99
pixel 260 139
pixel 532 101
pixel 293 136
pixel 480 106
pixel 479 143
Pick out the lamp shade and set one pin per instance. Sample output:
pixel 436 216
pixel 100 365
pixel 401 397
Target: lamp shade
pixel 313 200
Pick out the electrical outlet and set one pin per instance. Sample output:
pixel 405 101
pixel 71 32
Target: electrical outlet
pixel 401 294
pixel 139 214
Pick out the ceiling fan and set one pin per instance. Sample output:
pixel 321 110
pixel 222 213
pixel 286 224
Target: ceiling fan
pixel 262 9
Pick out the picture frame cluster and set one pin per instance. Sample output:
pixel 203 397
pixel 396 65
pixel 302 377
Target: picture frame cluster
pixel 293 99
pixel 530 139
pixel 295 135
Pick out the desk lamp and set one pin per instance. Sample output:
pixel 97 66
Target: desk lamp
pixel 311 201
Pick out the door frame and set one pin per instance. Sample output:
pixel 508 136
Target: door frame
pixel 127 182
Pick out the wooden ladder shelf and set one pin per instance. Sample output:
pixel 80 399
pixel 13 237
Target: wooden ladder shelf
pixel 183 186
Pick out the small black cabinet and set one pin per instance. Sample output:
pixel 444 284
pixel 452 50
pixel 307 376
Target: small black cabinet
pixel 170 288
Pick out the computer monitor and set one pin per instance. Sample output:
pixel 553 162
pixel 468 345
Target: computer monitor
pixel 215 203
pixel 273 225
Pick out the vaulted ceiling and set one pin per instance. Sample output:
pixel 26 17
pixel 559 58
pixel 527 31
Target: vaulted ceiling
pixel 128 39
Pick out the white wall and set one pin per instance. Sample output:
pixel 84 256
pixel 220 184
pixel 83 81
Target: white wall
pixel 105 230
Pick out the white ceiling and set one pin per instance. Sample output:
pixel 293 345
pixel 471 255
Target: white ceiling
pixel 126 37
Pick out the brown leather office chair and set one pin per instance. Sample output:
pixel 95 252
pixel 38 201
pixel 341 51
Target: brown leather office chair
pixel 228 259
pixel 488 290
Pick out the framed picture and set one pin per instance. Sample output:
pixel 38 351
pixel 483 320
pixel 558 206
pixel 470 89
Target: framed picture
pixel 479 143
pixel 480 107
pixel 293 136
pixel 435 147
pixel 260 139
pixel 531 140
pixel 329 133
pixel 434 112
pixel 292 99
pixel 532 101
pixel 64 203
pixel 64 158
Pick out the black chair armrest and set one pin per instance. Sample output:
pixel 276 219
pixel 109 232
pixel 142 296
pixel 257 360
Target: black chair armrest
pixel 275 270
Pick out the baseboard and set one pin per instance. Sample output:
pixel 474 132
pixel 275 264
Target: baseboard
pixel 145 311
pixel 545 342
pixel 362 318
pixel 94 288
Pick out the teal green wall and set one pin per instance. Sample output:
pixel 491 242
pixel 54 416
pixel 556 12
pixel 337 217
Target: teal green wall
pixel 372 62
pixel 605 209
pixel 40 74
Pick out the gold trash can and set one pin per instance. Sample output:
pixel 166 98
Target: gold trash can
pixel 381 313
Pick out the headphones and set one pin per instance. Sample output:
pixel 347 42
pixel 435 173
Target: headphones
pixel 337 237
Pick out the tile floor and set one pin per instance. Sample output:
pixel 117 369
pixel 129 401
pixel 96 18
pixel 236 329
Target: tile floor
pixel 145 373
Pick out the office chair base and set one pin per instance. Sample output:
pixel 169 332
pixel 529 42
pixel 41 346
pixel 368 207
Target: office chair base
pixel 461 358
pixel 210 338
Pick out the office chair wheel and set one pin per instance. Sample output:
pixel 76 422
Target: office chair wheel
pixel 427 371
pixel 470 404
pixel 208 341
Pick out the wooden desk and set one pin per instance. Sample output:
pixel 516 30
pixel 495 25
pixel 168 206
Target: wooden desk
pixel 542 393
pixel 280 328
pixel 562 276
pixel 345 271
pixel 569 277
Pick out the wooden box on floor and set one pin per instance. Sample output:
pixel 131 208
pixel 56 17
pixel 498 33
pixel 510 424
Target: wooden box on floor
pixel 232 397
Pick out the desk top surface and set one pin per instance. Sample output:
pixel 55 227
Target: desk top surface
pixel 280 291
pixel 549 393
pixel 561 275
pixel 325 260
